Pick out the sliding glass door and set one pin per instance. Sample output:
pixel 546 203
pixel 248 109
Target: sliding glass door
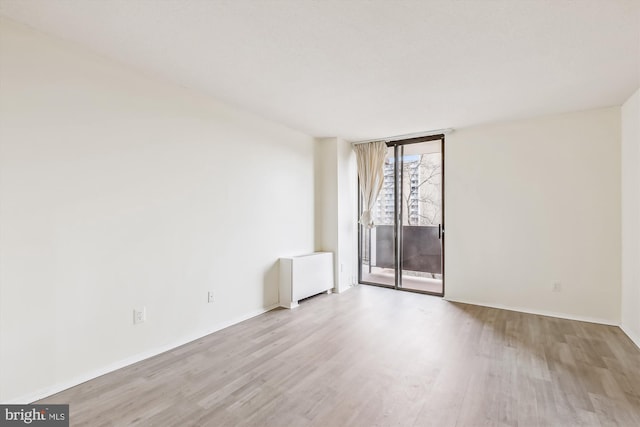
pixel 405 249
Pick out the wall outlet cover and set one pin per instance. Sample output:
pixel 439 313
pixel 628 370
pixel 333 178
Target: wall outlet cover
pixel 139 315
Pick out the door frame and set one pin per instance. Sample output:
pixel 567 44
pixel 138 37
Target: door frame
pixel 397 273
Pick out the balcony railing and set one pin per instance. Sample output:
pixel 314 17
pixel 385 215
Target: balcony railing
pixel 421 248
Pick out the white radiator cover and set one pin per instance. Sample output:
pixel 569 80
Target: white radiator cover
pixel 304 276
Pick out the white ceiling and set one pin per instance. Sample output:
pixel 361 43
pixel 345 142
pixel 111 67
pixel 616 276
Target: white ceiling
pixel 367 69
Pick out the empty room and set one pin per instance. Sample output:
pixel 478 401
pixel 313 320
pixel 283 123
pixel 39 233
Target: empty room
pixel 320 213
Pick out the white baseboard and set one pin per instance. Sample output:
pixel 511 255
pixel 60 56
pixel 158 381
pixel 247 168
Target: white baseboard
pixel 61 386
pixel 632 336
pixel 539 312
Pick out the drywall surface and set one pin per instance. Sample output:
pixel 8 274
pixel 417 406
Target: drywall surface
pixel 336 206
pixel 326 197
pixel 535 202
pixel 347 215
pixel 121 191
pixel 631 217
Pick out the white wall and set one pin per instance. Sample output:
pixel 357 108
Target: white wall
pixel 336 207
pixel 347 215
pixel 119 190
pixel 533 202
pixel 326 197
pixel 631 217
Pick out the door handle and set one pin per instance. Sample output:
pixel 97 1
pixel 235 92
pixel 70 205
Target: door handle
pixel 440 231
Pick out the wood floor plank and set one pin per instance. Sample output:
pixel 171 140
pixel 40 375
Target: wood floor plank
pixel 377 357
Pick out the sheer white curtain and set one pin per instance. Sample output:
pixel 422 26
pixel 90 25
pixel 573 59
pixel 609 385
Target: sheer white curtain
pixel 370 157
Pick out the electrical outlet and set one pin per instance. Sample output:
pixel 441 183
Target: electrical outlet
pixel 210 296
pixel 139 315
pixel 557 287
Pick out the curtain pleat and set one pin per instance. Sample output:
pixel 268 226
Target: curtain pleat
pixel 370 158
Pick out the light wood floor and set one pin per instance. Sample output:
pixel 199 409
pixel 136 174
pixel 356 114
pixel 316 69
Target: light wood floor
pixel 378 357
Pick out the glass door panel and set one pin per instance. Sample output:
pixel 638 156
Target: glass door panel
pixel 420 197
pixel 377 245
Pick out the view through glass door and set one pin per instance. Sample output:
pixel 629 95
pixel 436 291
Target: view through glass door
pixel 405 249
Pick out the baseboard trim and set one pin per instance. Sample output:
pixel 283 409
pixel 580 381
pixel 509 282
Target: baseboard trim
pixel 538 312
pixel 632 336
pixel 57 388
